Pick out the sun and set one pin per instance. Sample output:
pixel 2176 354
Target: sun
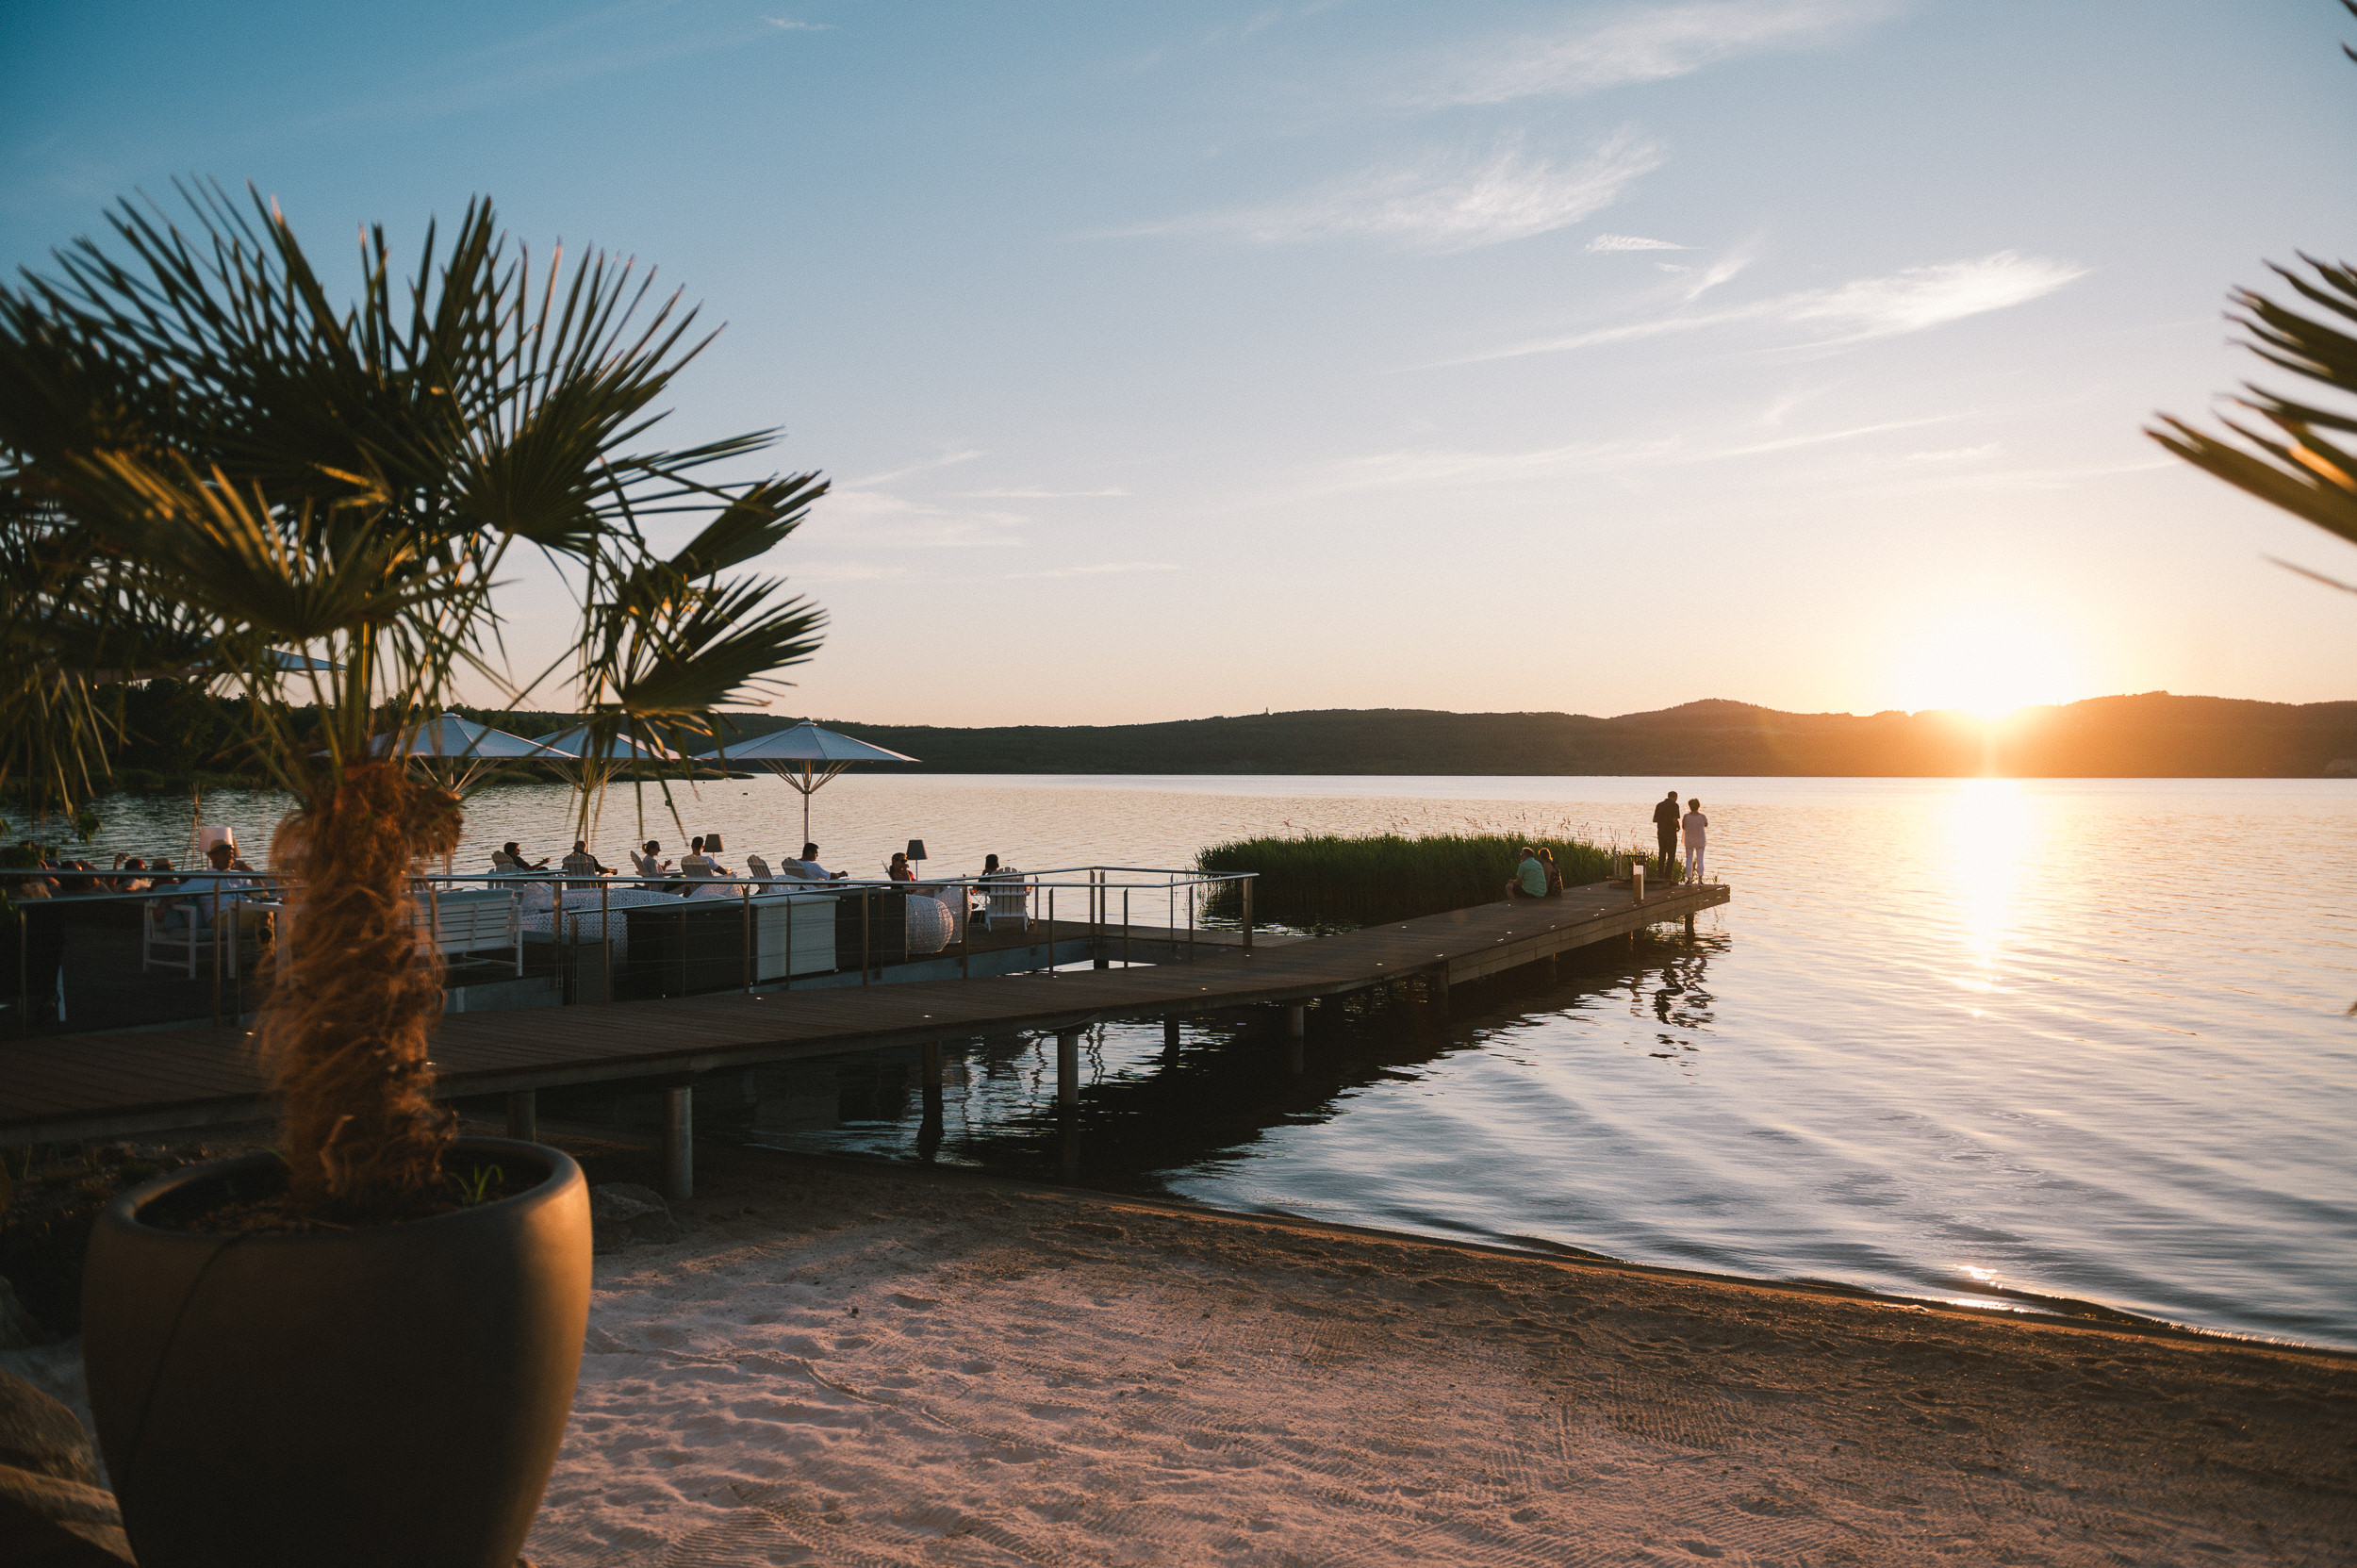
pixel 1987 662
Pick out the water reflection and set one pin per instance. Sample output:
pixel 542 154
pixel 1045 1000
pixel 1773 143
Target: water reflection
pixel 1151 1110
pixel 1988 841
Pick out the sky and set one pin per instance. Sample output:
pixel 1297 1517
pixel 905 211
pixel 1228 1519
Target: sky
pixel 1170 360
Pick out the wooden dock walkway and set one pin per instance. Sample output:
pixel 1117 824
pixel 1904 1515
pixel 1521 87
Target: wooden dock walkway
pixel 58 1089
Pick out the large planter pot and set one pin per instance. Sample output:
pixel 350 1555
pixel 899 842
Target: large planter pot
pixel 390 1397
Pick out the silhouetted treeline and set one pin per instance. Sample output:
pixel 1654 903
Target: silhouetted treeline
pixel 2153 735
pixel 175 733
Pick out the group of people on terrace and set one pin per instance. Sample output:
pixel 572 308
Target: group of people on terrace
pixel 700 868
pixel 47 876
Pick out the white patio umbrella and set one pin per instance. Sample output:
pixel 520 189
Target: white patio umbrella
pixel 455 750
pixel 804 756
pixel 570 754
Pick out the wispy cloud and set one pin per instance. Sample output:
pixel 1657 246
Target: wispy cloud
pixel 1104 570
pixel 1702 280
pixel 1459 466
pixel 786 24
pixel 1652 45
pixel 946 460
pixel 1607 242
pixel 1036 495
pixel 1915 299
pixel 1442 204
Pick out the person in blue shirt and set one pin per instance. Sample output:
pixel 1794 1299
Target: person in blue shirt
pixel 1530 877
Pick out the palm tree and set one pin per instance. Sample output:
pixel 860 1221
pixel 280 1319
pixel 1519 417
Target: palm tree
pixel 2300 465
pixel 2303 462
pixel 207 466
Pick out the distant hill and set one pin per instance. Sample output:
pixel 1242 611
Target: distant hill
pixel 2152 735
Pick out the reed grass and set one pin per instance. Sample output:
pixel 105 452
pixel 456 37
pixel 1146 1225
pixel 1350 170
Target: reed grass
pixel 1327 881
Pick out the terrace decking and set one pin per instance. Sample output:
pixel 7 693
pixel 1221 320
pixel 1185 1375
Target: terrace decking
pixel 66 1088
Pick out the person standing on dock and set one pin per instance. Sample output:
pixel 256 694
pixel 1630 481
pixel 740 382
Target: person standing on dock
pixel 1667 820
pixel 1696 826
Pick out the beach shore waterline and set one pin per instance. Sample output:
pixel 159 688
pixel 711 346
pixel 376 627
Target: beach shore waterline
pixel 840 1365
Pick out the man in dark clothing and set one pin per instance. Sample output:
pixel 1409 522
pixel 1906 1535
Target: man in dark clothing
pixel 1666 816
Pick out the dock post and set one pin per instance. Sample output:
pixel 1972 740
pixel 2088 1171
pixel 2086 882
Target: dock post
pixel 1296 1021
pixel 1098 903
pixel 1248 913
pixel 1690 926
pixel 929 1129
pixel 1067 1068
pixel 1170 1033
pixel 679 1140
pixel 523 1115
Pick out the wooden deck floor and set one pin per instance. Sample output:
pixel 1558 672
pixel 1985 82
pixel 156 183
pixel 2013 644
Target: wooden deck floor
pixel 72 1087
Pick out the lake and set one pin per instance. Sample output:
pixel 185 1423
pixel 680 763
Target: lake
pixel 1974 1040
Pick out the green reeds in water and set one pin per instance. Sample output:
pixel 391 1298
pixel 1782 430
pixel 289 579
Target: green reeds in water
pixel 1327 883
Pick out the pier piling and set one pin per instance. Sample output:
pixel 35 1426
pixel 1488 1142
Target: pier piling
pixel 1067 1068
pixel 523 1115
pixel 679 1142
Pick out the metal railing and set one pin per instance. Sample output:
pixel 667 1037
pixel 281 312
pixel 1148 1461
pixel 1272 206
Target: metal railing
pixel 201 925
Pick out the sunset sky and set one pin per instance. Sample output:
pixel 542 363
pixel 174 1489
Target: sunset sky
pixel 1186 359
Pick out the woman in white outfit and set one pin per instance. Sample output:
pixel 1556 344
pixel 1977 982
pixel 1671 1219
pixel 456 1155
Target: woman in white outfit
pixel 1696 826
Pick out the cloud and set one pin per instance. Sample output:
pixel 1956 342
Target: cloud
pixel 1628 242
pixel 944 460
pixel 1442 204
pixel 1718 271
pixel 1106 568
pixel 1457 466
pixel 786 25
pixel 1653 45
pixel 844 572
pixel 1915 299
pixel 1036 495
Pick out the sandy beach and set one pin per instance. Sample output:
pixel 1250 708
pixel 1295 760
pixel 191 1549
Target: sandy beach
pixel 864 1366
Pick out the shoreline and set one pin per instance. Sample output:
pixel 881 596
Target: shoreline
pixel 843 1362
pixel 2033 1307
pixel 826 1359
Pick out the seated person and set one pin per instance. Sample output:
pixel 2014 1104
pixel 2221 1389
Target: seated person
pixel 162 874
pixel 656 869
pixel 898 869
pixel 816 872
pixel 695 863
pixel 1530 877
pixel 515 859
pixel 131 881
pixel 581 863
pixel 217 891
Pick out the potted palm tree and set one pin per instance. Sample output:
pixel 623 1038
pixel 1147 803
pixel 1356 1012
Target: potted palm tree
pixel 362 1352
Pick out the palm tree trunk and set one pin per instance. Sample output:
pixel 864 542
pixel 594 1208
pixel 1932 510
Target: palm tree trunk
pixel 349 1019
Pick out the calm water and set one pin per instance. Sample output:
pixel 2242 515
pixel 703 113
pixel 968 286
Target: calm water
pixel 2073 1039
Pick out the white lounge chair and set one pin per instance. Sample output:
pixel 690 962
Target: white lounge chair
pixel 1006 901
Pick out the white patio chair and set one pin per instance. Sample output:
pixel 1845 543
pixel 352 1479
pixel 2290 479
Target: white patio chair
pixel 1007 902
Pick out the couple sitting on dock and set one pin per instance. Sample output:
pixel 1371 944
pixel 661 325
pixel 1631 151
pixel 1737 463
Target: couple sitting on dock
pixel 1537 877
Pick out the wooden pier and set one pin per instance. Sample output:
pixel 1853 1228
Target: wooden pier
pixel 60 1089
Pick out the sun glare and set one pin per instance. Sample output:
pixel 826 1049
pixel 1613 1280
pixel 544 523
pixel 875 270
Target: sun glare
pixel 1988 663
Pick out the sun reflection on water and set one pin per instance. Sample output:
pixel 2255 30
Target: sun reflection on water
pixel 1987 843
